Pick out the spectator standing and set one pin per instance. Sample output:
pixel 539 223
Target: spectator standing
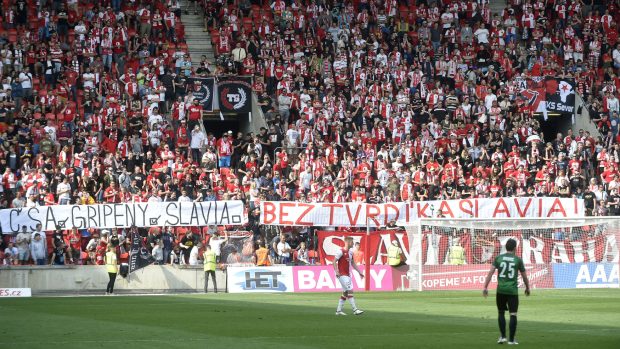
pixel 613 105
pixel 225 150
pixel 284 251
pixel 167 240
pixel 25 78
pixel 38 251
pixel 284 105
pixel 22 241
pixel 63 191
pixel 197 142
pixel 216 242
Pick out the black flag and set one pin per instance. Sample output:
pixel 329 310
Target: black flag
pixel 140 256
pixel 235 94
pixel 203 89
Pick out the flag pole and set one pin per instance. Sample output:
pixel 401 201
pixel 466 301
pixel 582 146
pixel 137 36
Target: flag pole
pixel 367 258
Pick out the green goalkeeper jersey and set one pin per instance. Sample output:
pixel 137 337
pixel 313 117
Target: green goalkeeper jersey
pixel 508 265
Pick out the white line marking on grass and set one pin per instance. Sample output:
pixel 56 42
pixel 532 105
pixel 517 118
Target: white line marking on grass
pixel 155 340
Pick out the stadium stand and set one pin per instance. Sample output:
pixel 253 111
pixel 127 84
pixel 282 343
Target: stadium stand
pixel 374 101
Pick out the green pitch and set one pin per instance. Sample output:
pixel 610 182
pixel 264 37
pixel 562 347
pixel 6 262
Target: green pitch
pixel 547 319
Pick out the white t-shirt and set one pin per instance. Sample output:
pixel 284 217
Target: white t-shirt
pixel 63 187
pixel 216 245
pixel 155 118
pixel 193 256
pixel 89 80
pixel 616 56
pixel 447 19
pixel 305 178
pixel 293 136
pixel 155 137
pixel 283 246
pixel 197 140
pixel 482 34
pixel 26 80
pixel 489 99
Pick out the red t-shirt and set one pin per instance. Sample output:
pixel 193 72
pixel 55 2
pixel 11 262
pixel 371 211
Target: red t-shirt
pixel 194 112
pixel 224 147
pixel 343 259
pixel 114 198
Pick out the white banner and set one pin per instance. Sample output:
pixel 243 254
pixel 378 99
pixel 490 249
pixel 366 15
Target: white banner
pixel 15 292
pixel 353 214
pixel 260 279
pixel 144 214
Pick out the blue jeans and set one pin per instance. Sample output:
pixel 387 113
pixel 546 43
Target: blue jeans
pixel 224 161
pixel 41 261
pixel 107 61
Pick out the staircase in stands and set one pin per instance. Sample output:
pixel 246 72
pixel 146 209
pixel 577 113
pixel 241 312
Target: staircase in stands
pixel 198 41
pixel 497 6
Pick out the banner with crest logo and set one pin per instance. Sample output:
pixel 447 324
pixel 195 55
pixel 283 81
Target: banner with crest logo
pixel 235 94
pixel 203 89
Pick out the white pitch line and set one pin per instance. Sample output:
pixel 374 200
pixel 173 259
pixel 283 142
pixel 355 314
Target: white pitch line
pixel 296 337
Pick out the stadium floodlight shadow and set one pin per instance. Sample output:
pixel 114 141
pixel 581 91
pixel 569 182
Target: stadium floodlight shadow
pixel 460 319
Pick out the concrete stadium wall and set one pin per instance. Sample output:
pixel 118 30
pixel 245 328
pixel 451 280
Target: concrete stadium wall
pixel 92 279
pixel 583 120
pixel 258 119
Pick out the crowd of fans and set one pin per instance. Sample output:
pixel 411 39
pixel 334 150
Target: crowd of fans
pixel 372 101
pixel 381 101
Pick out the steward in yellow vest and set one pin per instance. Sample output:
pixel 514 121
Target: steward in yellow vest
pixel 394 254
pixel 209 265
pixel 111 265
pixel 457 255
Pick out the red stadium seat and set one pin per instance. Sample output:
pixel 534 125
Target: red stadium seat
pixel 12 36
pixel 312 256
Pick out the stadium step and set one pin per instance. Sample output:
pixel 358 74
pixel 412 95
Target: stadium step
pixel 497 6
pixel 198 41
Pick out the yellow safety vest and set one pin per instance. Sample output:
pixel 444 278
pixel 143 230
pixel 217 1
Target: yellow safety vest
pixel 457 255
pixel 110 262
pixel 209 261
pixel 393 255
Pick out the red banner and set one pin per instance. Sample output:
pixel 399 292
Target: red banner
pixel 479 249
